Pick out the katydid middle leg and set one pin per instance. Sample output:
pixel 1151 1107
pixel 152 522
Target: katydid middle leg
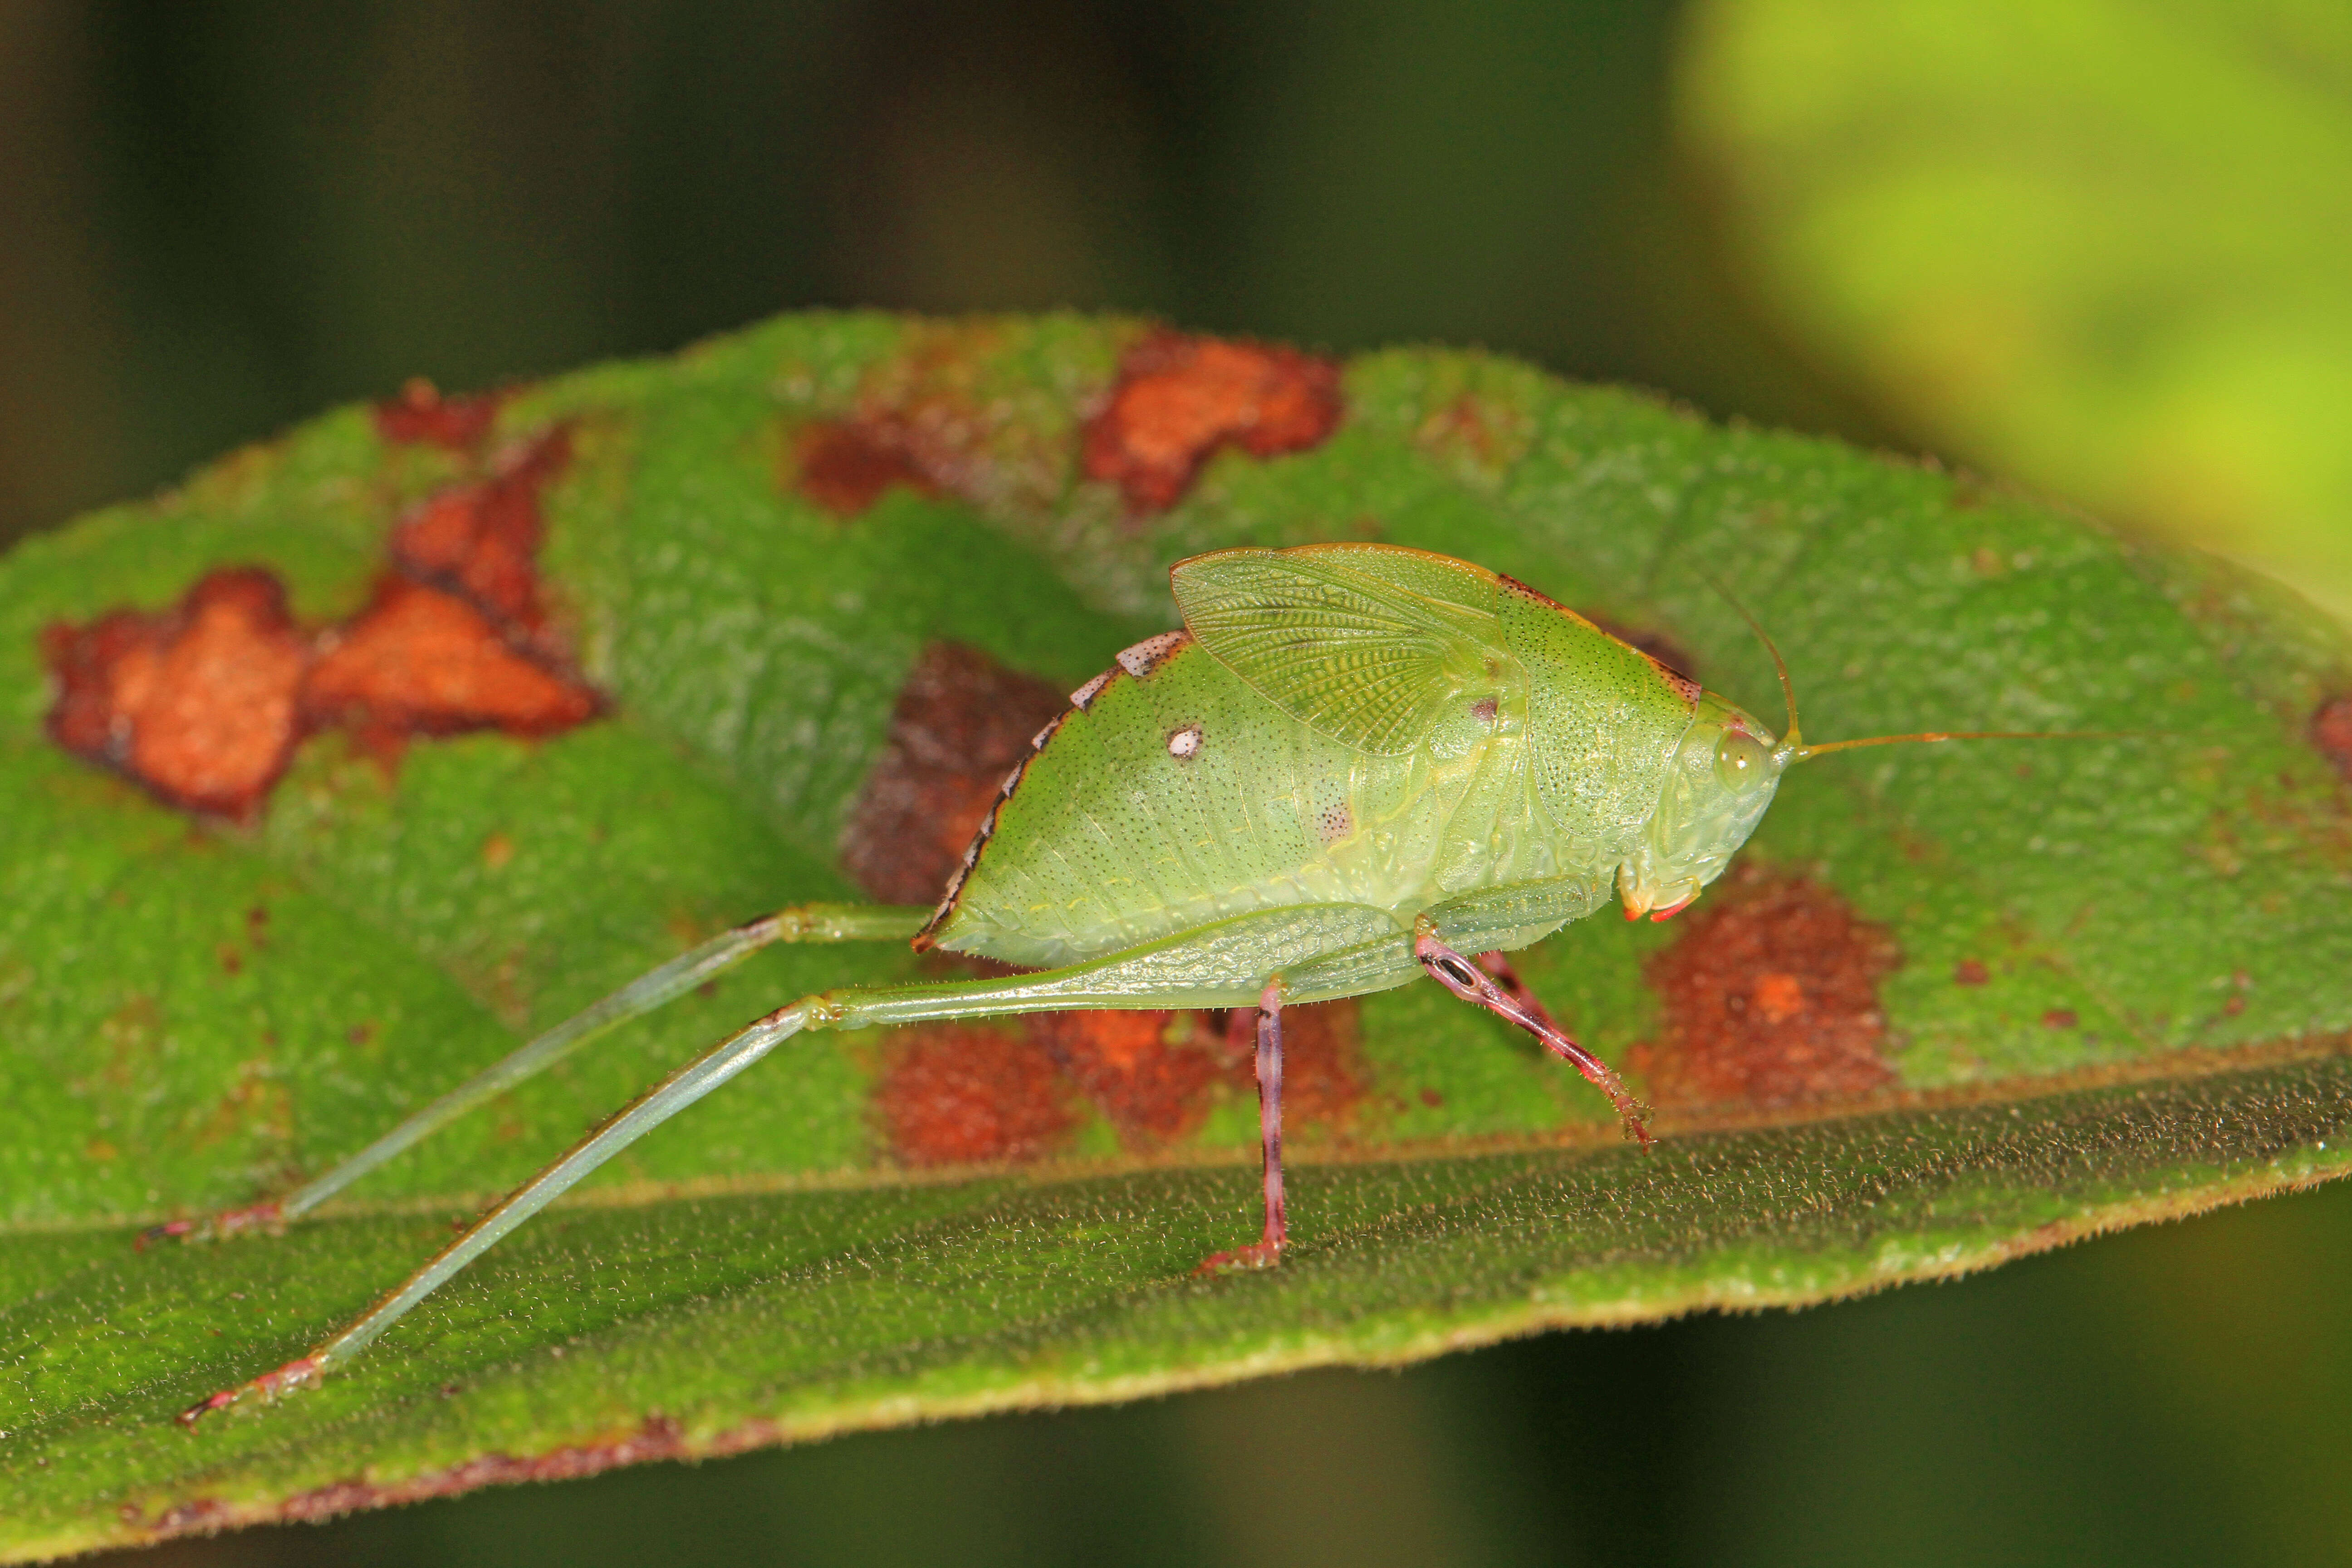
pixel 653 989
pixel 1267 1251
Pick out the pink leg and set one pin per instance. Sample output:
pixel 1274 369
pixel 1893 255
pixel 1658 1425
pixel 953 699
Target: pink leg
pixel 1507 998
pixel 1500 966
pixel 1268 1250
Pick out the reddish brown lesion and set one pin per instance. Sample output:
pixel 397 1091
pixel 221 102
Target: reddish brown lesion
pixel 844 465
pixel 952 1094
pixel 1771 998
pixel 2331 732
pixel 962 721
pixel 481 539
pixel 197 702
pixel 1178 398
pixel 419 661
pixel 1150 1073
pixel 420 415
pixel 204 702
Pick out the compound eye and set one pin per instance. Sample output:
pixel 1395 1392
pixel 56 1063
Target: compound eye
pixel 1741 763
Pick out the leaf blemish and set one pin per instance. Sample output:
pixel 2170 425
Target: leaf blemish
pixel 204 704
pixel 960 722
pixel 480 541
pixel 1180 398
pixel 1771 998
pixel 952 1095
pixel 420 415
pixel 196 703
pixel 844 466
pixel 2331 731
pixel 419 661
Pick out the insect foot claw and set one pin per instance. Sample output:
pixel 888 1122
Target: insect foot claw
pixel 253 1217
pixel 1265 1255
pixel 269 1385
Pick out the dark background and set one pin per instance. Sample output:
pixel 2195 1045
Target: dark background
pixel 215 221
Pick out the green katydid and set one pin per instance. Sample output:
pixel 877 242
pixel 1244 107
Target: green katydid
pixel 1356 765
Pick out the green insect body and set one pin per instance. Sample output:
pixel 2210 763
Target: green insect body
pixel 1357 765
pixel 1361 726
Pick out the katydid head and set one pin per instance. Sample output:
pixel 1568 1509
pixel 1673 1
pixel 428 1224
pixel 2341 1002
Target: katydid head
pixel 1723 777
pixel 1716 788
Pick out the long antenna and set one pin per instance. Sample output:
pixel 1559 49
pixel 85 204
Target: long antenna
pixel 1795 736
pixel 1929 737
pixel 1801 753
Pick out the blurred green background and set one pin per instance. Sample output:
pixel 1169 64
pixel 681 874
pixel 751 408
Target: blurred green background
pixel 2100 249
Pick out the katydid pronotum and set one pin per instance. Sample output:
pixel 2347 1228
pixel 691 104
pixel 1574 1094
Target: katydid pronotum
pixel 1356 765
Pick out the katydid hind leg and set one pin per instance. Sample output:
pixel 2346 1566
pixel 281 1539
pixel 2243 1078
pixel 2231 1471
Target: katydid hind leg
pixel 1267 1251
pixel 1475 984
pixel 1203 968
pixel 656 987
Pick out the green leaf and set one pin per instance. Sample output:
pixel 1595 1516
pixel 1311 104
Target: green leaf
pixel 2095 245
pixel 1955 1004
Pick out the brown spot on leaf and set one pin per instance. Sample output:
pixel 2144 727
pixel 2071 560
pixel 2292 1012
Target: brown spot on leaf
pixel 954 1095
pixel 482 539
pixel 1971 972
pixel 962 721
pixel 2331 731
pixel 1771 998
pixel 1178 398
pixel 844 465
pixel 2060 1018
pixel 1152 1088
pixel 1485 436
pixel 421 661
pixel 420 415
pixel 196 702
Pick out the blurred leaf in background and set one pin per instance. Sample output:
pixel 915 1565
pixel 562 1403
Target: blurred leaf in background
pixel 2100 247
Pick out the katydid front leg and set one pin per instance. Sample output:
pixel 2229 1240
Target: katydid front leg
pixel 655 987
pixel 1475 984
